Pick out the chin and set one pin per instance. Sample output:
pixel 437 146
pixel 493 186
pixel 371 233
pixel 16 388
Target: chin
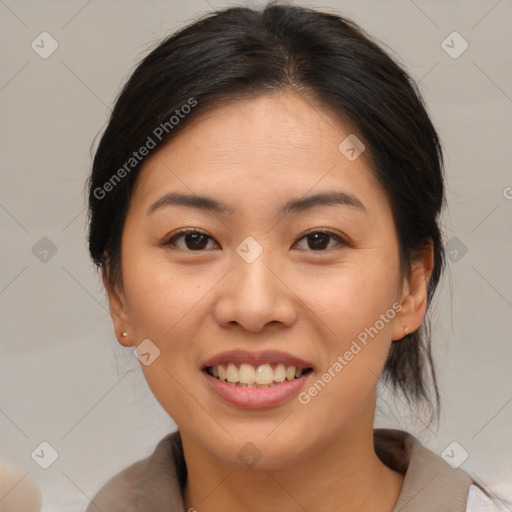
pixel 259 450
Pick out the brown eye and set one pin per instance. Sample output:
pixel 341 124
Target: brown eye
pixel 319 240
pixel 193 240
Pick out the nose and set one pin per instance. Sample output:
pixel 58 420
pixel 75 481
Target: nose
pixel 253 295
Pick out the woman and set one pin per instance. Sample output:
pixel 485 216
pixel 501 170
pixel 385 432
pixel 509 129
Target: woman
pixel 264 208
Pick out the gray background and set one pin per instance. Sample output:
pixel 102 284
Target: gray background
pixel 64 378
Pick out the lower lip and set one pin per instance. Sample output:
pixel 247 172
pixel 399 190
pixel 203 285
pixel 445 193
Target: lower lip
pixel 256 398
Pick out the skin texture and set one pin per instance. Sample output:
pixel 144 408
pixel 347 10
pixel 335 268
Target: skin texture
pixel 255 154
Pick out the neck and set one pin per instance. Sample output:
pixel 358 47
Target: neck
pixel 344 476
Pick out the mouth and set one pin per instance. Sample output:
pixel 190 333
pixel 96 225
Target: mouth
pixel 249 380
pixel 247 375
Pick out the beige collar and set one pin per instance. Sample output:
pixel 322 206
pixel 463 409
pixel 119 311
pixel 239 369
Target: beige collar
pixel 430 483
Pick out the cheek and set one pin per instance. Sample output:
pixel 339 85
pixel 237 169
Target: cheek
pixel 160 294
pixel 357 317
pixel 163 304
pixel 357 313
pixel 171 387
pixel 351 299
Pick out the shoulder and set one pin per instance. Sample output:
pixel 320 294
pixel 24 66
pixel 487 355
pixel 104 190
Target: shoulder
pixel 154 482
pixel 430 483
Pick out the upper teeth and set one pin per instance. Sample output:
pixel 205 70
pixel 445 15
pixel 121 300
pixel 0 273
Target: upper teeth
pixel 249 374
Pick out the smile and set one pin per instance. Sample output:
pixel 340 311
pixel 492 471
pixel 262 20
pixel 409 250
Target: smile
pixel 255 376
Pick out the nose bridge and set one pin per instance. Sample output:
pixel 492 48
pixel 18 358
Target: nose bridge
pixel 252 271
pixel 253 295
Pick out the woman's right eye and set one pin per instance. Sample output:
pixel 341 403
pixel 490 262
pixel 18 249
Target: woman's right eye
pixel 193 240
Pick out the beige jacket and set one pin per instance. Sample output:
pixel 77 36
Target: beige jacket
pixel 154 483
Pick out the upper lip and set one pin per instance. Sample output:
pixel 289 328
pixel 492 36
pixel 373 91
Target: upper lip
pixel 257 358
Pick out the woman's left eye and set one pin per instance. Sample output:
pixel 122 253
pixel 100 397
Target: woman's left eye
pixel 194 240
pixel 319 240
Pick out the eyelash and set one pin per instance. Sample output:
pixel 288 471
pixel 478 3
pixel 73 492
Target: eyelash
pixel 328 232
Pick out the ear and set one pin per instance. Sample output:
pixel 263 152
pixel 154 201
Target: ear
pixel 118 311
pixel 415 294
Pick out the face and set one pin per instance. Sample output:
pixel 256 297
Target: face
pixel 316 286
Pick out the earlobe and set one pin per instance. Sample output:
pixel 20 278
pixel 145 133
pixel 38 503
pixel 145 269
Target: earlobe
pixel 415 296
pixel 118 311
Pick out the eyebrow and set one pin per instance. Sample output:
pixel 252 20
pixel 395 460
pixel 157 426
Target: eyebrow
pixel 293 205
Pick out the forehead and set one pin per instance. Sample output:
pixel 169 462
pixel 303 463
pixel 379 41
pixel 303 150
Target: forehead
pixel 257 150
pixel 278 123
